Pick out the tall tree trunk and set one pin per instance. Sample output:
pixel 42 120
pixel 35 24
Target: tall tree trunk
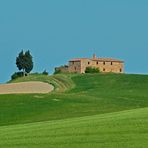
pixel 24 72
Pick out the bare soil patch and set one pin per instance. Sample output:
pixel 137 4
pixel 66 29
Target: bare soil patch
pixel 26 87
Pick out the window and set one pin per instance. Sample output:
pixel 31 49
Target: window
pixel 103 69
pixel 103 63
pixel 88 63
pixel 111 63
pixel 97 62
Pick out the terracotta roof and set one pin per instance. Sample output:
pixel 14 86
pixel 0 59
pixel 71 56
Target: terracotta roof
pixel 97 59
pixel 106 60
pixel 78 59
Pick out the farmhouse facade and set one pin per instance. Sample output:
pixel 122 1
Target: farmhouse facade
pixel 78 65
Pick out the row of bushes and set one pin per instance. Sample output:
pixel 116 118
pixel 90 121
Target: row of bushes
pixel 88 70
pixel 57 71
pixel 21 74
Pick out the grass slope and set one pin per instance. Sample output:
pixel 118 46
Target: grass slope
pixel 126 129
pixel 60 82
pixel 75 96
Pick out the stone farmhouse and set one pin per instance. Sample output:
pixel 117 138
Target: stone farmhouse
pixel 78 65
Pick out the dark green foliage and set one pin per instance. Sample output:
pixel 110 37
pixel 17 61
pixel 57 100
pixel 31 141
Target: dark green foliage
pixel 57 71
pixel 20 61
pixel 24 62
pixel 28 62
pixel 16 75
pixel 92 70
pixel 45 72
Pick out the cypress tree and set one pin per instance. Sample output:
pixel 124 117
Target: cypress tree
pixel 24 62
pixel 28 62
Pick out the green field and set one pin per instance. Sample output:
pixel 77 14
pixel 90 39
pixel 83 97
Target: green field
pixel 89 110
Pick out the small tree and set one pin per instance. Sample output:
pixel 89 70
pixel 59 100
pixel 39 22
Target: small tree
pixel 92 70
pixel 45 72
pixel 24 62
pixel 16 75
pixel 57 71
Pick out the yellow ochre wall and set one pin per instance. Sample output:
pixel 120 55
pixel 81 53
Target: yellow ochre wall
pixel 104 66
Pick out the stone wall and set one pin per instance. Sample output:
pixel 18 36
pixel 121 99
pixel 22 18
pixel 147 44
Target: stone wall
pixel 104 66
pixel 116 67
pixel 63 69
pixel 85 63
pixel 75 67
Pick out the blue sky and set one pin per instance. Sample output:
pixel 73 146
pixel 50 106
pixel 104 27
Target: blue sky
pixel 58 30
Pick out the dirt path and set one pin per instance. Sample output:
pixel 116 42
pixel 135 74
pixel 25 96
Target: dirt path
pixel 25 87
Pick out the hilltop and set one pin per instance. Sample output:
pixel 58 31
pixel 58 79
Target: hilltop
pixel 114 104
pixel 75 95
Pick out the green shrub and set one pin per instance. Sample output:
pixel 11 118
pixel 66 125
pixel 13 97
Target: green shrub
pixel 45 72
pixel 17 75
pixel 92 70
pixel 57 71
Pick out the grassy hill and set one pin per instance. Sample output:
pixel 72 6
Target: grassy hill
pixel 122 129
pixel 87 110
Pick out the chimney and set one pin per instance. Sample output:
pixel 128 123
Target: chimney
pixel 94 56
